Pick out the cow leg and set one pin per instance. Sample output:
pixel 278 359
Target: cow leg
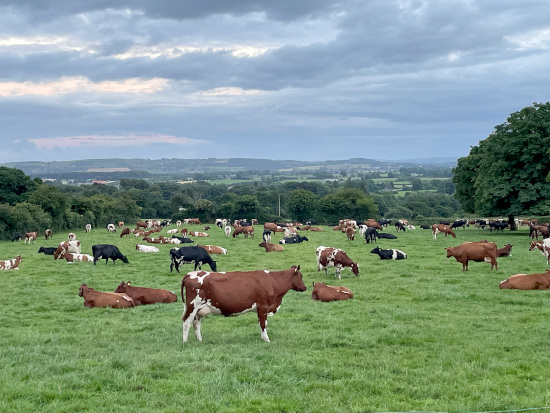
pixel 197 326
pixel 262 320
pixel 188 317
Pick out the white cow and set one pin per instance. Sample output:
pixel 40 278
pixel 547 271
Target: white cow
pixel 146 248
pixel 88 227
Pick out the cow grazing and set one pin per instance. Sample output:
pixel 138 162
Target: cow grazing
pixel 527 281
pixel 12 264
pixel 125 232
pixel 146 248
pixel 213 249
pixel 399 226
pixel 93 298
pixel 391 254
pixel 443 228
pixel 16 237
pixel 334 257
pixel 107 251
pixel 48 234
pixel 370 235
pixel 504 251
pixel 69 257
pixel 460 223
pixel 247 231
pixel 72 236
pixel 474 251
pixel 88 227
pixel 271 247
pixel 120 224
pixel 328 293
pixel 227 230
pixel 111 228
pixel 30 236
pixel 235 293
pixel 188 255
pixel 350 233
pixel 67 246
pixel 144 295
pixel 47 250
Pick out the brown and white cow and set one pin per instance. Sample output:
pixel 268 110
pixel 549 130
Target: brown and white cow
pixel 504 251
pixel 48 234
pixel 334 257
pixel 145 295
pixel 125 232
pixel 270 226
pixel 184 232
pixel 543 247
pixel 445 229
pixel 247 231
pixel 67 246
pixel 474 251
pixel 120 224
pixel 213 249
pixel 327 293
pixel 12 264
pixel 527 281
pixel 271 247
pixel 72 236
pixel 350 233
pixel 198 234
pixel 94 298
pixel 30 236
pixel 70 257
pixel 235 293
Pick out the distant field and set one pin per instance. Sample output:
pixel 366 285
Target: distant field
pixel 419 335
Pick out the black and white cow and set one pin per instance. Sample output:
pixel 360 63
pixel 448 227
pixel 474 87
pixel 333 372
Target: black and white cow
pixel 293 240
pixel 266 236
pixel 370 235
pixel 392 254
pixel 460 223
pixel 399 226
pixel 184 240
pixel 188 255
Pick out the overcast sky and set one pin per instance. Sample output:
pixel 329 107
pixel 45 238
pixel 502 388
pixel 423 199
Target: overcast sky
pixel 278 79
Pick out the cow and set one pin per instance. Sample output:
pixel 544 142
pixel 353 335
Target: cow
pixel 67 246
pixel 298 239
pixel 111 228
pixel 198 234
pixel 107 251
pixel 172 231
pixel 271 226
pixel 125 232
pixel 290 232
pixel 350 233
pixel 235 293
pixel 247 231
pixel 460 223
pixel 144 295
pixel 141 224
pixel 69 257
pixel 178 223
pixel 120 224
pixel 188 255
pixel 425 227
pixel 504 251
pixel 543 247
pixel 399 227
pixel 271 247
pixel 183 240
pixel 334 257
pixel 474 251
pixel 316 229
pixel 221 222
pixel 184 232
pixel 328 293
pixel 498 225
pixel 266 236
pixel 527 281
pixel 71 236
pixel 383 235
pixel 88 227
pixel 48 234
pixel 391 254
pixel 213 249
pixel 93 298
pixel 227 230
pixel 370 235
pixel 47 250
pixel 12 264
pixel 535 230
pixel 437 228
pixel 206 228
pixel 146 248
pixel 16 237
pixel 385 222
pixel 371 223
pixel 30 236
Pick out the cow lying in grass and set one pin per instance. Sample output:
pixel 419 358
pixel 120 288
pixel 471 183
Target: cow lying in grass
pixel 327 293
pixel 527 281
pixel 93 298
pixel 144 295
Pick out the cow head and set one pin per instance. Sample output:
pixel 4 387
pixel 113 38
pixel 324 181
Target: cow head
pixel 297 281
pixel 125 260
pixel 449 253
pixel 355 269
pixel 121 288
pixel 81 290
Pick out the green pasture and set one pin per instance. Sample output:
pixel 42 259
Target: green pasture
pixel 419 335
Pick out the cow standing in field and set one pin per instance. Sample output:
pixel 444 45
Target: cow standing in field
pixel 48 234
pixel 474 251
pixel 30 236
pixel 88 227
pixel 443 228
pixel 327 293
pixel 227 230
pixel 235 293
pixel 543 247
pixel 107 251
pixel 334 257
pixel 188 255
pixel 350 233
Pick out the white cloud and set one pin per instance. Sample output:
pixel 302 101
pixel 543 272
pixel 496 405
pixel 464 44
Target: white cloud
pixel 112 140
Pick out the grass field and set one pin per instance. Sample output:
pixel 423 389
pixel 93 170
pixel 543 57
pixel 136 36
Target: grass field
pixel 419 335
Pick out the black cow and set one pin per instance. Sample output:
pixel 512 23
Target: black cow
pixel 425 227
pixel 498 225
pixel 445 222
pixel 16 237
pixel 293 240
pixel 392 254
pixel 386 236
pixel 184 240
pixel 384 222
pixel 481 223
pixel 399 226
pixel 460 223
pixel 107 251
pixel 187 255
pixel 47 250
pixel 371 234
pixel 311 222
pixel 245 224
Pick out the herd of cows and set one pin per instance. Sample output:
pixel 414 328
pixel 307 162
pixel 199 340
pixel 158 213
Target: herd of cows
pixel 261 291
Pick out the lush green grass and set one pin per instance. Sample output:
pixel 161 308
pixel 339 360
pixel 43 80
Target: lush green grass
pixel 419 335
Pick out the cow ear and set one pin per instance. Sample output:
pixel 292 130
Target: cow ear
pixel 298 268
pixel 128 283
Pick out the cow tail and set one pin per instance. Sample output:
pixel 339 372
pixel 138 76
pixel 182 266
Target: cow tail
pixel 182 293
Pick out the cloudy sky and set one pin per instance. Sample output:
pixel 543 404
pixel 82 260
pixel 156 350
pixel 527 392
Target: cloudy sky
pixel 279 79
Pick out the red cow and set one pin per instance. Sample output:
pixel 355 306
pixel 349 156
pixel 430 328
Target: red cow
pixel 144 295
pixel 334 257
pixel 474 251
pixel 446 229
pixel 527 281
pixel 327 293
pixel 235 293
pixel 93 298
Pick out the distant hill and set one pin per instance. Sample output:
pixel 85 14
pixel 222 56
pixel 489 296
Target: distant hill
pixel 185 166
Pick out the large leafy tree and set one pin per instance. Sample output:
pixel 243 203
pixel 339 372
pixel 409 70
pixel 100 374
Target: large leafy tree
pixel 302 204
pixel 505 175
pixel 15 186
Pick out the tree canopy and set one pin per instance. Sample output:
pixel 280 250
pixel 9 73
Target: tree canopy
pixel 505 175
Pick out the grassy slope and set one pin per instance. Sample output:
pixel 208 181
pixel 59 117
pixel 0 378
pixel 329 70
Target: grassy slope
pixel 419 335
